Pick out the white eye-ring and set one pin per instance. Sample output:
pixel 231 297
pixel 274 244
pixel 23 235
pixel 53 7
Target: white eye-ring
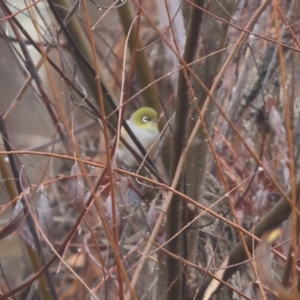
pixel 145 119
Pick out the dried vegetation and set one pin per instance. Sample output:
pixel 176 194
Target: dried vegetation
pixel 223 76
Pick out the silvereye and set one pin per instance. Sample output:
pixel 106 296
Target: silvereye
pixel 143 124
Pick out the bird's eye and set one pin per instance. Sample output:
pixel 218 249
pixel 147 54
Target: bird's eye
pixel 145 119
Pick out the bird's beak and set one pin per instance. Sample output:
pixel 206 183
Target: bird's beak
pixel 155 121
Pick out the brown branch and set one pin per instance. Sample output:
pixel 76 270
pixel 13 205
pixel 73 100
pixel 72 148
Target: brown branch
pixel 173 225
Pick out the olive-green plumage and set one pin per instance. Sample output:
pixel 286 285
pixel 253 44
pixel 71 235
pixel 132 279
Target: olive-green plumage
pixel 143 123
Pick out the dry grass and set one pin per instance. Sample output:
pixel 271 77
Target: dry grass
pixel 101 230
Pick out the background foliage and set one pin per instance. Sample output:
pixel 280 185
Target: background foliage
pixel 223 77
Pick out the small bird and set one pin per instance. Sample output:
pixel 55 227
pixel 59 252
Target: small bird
pixel 144 125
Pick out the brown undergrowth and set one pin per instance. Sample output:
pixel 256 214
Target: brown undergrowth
pixel 223 77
